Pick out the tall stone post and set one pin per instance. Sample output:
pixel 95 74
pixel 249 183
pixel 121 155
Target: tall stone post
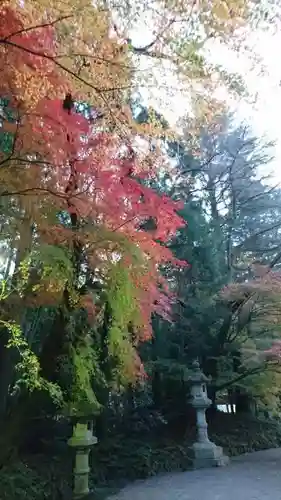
pixel 204 452
pixel 82 441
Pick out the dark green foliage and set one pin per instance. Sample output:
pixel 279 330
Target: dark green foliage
pixel 233 219
pixel 127 457
pixel 244 434
pixel 35 481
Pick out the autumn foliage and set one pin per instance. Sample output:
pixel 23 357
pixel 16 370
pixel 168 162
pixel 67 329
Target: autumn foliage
pixel 72 172
pixel 258 299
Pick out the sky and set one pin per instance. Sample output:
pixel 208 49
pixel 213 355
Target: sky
pixel 263 113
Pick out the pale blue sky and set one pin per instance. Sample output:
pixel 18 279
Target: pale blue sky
pixel 262 112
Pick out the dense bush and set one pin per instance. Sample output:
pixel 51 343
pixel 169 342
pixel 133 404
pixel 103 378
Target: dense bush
pixel 126 457
pixel 30 481
pixel 244 435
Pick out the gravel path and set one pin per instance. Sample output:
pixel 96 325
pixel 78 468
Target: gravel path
pixel 255 476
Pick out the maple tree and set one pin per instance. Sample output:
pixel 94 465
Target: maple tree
pixel 77 201
pixel 258 298
pixel 76 206
pixel 255 305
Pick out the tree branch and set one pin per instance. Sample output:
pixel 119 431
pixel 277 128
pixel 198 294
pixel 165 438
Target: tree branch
pixel 38 26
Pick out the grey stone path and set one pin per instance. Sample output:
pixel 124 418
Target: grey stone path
pixel 255 476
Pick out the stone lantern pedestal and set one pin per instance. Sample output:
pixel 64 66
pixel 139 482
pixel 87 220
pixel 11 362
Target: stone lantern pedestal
pixel 204 453
pixel 82 441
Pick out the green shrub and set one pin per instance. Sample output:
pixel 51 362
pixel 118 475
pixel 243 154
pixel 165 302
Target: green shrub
pixel 125 458
pixel 29 481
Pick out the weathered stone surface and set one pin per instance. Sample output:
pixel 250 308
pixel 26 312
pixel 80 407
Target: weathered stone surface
pixel 203 452
pixel 82 441
pixel 205 455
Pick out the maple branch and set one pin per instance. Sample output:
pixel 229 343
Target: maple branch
pixel 98 91
pixel 30 190
pixel 248 373
pixel 33 52
pixel 144 50
pixel 31 162
pixel 58 194
pixel 254 295
pixel 53 60
pixel 30 28
pixel 74 74
pixel 97 58
pixel 124 223
pixel 116 229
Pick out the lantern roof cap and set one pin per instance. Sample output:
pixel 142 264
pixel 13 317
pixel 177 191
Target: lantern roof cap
pixel 196 375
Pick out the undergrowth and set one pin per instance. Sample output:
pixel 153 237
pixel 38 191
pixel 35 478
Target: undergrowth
pixel 125 458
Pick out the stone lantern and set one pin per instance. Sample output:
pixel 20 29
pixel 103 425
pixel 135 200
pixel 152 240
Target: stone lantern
pixel 82 441
pixel 204 452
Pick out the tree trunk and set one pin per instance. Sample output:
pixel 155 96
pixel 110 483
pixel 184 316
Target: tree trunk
pixel 8 359
pixel 53 348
